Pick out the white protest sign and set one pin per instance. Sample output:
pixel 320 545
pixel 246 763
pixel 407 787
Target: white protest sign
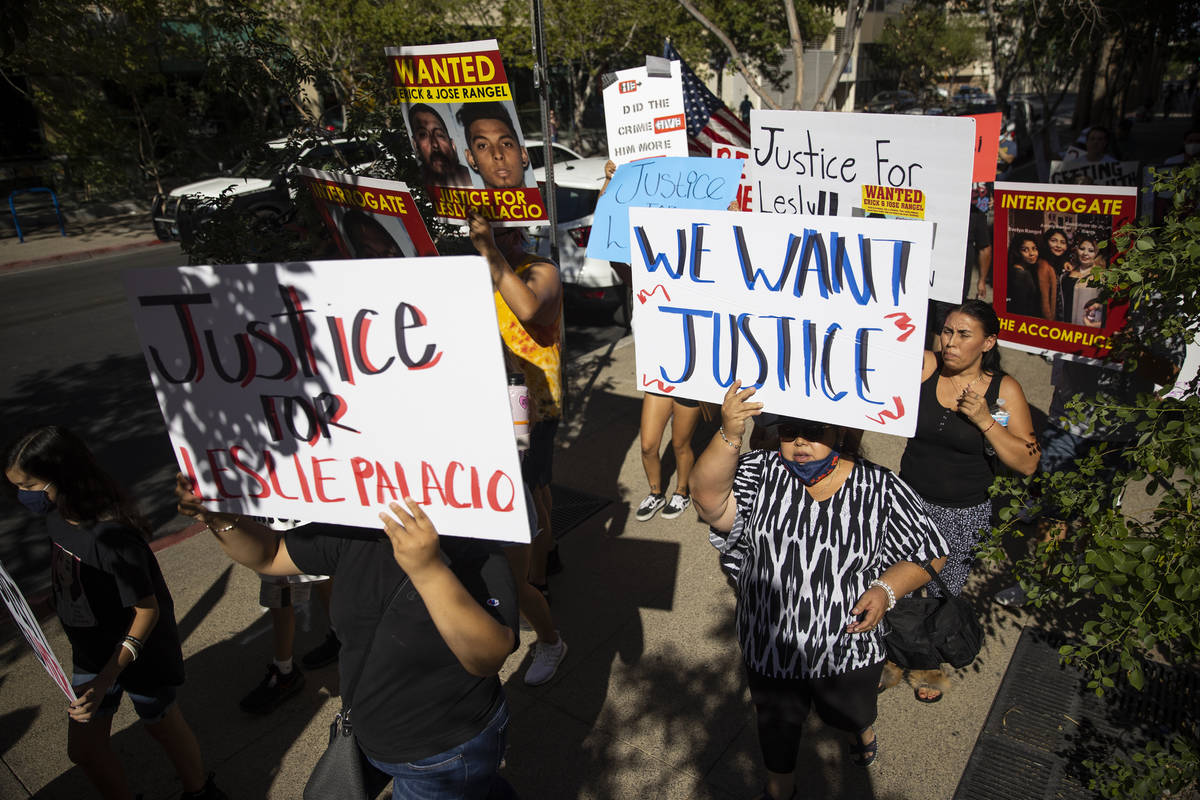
pixel 745 194
pixel 1100 173
pixel 897 165
pixel 644 115
pixel 824 315
pixel 325 391
pixel 27 622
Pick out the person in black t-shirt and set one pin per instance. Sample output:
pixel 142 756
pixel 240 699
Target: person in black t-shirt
pixel 428 709
pixel 114 607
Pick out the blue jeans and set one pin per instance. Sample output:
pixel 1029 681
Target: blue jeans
pixel 465 772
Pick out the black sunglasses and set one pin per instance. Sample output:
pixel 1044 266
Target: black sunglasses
pixel 803 429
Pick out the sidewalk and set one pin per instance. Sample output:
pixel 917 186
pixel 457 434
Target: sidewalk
pixel 650 702
pixel 90 233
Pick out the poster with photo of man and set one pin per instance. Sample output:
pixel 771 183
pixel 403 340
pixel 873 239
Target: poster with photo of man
pixel 463 124
pixel 1049 241
pixel 368 217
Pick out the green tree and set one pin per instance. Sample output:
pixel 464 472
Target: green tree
pixel 927 45
pixel 1136 580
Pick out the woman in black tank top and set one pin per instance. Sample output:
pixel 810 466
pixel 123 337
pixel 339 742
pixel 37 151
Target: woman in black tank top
pixel 963 429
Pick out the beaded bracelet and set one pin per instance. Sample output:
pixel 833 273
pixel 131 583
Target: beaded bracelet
pixel 734 445
pixel 236 519
pixel 891 594
pixel 989 427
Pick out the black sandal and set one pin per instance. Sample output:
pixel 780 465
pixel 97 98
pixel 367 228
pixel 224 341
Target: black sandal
pixel 865 753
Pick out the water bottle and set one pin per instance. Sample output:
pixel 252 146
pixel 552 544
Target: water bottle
pixel 518 405
pixel 999 412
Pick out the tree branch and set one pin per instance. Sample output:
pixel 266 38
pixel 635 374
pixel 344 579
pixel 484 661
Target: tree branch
pixel 733 52
pixel 789 8
pixel 854 19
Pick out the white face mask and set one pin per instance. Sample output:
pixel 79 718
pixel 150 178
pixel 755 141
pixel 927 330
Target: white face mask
pixel 1192 148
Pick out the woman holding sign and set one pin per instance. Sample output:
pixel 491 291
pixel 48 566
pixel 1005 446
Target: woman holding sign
pixel 820 543
pixel 970 415
pixel 114 607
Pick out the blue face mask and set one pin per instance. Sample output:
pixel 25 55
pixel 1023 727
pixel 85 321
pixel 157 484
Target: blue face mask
pixel 37 500
pixel 812 471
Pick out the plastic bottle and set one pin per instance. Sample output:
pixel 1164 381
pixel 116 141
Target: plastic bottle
pixel 999 412
pixel 518 405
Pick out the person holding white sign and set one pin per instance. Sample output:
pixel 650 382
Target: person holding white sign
pixel 114 607
pixel 428 709
pixel 820 543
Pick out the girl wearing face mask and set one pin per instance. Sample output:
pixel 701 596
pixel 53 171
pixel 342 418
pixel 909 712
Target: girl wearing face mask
pixel 1078 298
pixel 1052 260
pixel 820 543
pixel 114 607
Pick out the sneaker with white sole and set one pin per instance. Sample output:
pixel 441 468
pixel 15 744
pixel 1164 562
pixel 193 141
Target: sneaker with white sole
pixel 546 658
pixel 650 506
pixel 676 506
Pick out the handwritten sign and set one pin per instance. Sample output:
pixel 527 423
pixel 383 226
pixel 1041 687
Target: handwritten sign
pixel 369 218
pixel 745 194
pixel 987 145
pixel 324 391
pixel 1100 173
pixel 460 115
pixel 28 624
pixel 644 115
pixel 824 315
pixel 805 162
pixel 1048 240
pixel 706 183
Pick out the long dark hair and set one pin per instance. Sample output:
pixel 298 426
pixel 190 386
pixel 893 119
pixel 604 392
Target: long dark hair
pixel 85 494
pixel 1014 250
pixel 985 315
pixel 1048 255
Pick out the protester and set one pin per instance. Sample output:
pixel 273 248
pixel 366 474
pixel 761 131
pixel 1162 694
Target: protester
pixel 951 461
pixel 684 414
pixel 428 709
pixel 528 294
pixel 493 146
pixel 1052 260
pixel 820 543
pixel 1077 295
pixel 1191 150
pixel 435 149
pixel 1023 297
pixel 114 607
pixel 1092 147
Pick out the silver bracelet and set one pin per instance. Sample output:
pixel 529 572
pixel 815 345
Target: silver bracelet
pixel 236 519
pixel 734 445
pixel 891 594
pixel 133 651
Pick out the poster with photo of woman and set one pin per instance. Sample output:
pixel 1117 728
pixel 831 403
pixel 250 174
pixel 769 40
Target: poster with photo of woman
pixel 1049 242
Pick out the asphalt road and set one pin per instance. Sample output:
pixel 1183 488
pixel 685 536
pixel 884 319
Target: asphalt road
pixel 71 356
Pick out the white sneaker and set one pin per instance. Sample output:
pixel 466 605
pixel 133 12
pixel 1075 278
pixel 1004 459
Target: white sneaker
pixel 650 506
pixel 546 658
pixel 677 505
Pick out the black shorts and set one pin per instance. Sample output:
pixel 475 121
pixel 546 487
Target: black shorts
pixel 683 401
pixel 538 464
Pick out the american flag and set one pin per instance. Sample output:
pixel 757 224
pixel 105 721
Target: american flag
pixel 708 119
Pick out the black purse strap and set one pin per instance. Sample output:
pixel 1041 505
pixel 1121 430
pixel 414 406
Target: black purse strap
pixel 348 695
pixel 933 574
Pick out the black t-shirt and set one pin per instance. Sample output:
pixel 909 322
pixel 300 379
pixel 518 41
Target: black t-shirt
pixel 414 699
pixel 97 575
pixel 978 238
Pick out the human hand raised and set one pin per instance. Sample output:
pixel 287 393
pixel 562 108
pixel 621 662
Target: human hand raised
pixel 480 230
pixel 972 406
pixel 189 503
pixel 736 408
pixel 413 536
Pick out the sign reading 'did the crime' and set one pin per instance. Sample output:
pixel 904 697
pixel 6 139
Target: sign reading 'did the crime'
pixel 824 315
pixel 325 391
pixel 643 115
pixel 805 162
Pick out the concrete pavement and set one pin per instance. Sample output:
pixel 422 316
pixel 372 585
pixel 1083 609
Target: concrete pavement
pixel 90 233
pixel 650 701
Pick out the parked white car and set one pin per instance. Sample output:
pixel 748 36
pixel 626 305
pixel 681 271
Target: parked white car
pixel 587 282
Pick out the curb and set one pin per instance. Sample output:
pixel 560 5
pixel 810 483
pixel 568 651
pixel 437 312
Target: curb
pixel 78 255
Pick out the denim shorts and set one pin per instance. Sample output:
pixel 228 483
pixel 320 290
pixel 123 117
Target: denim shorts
pixel 150 708
pixel 465 772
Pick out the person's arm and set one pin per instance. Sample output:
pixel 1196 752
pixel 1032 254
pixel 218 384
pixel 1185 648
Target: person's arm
pixel 903 577
pixel 90 694
pixel 610 169
pixel 1015 445
pixel 985 269
pixel 533 297
pixel 245 541
pixel 928 365
pixel 1048 286
pixel 479 642
pixel 711 483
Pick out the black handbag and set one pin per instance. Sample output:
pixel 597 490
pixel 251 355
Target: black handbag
pixel 343 772
pixel 923 632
